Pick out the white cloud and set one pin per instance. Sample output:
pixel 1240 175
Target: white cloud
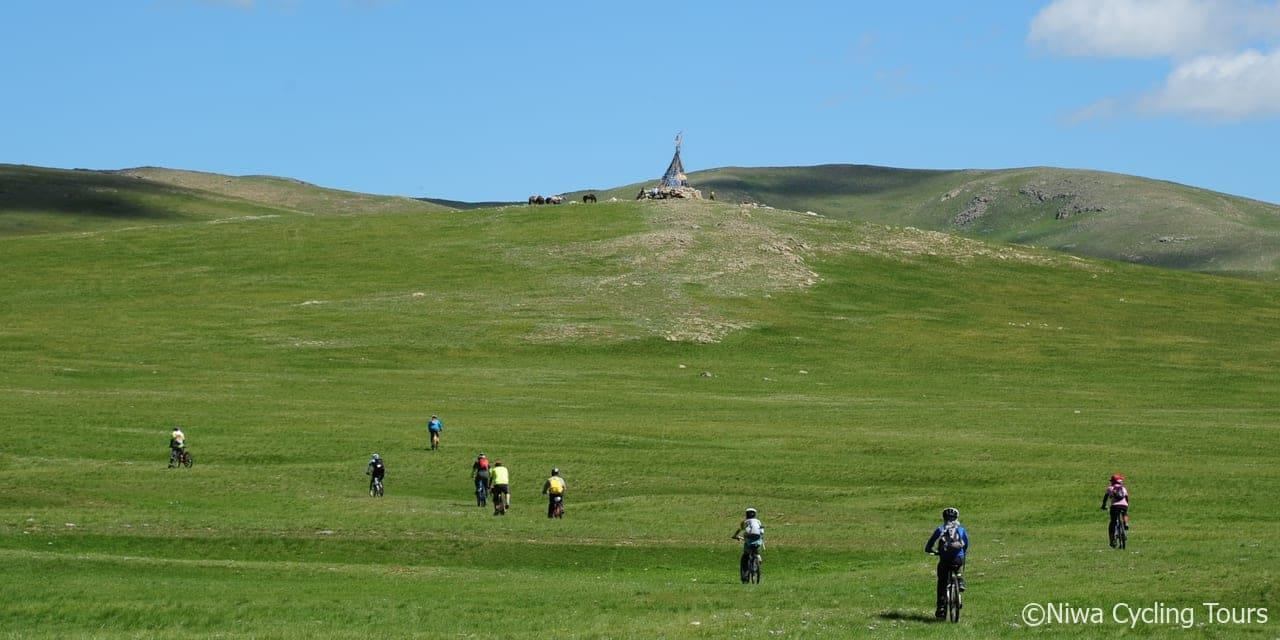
pixel 1214 75
pixel 1151 28
pixel 1229 87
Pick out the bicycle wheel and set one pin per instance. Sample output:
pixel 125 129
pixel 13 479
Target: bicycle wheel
pixel 187 460
pixel 953 599
pixel 1122 536
pixel 754 569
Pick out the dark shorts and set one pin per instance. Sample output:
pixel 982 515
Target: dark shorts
pixel 499 489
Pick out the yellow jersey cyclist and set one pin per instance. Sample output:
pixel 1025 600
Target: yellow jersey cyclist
pixel 500 488
pixel 554 488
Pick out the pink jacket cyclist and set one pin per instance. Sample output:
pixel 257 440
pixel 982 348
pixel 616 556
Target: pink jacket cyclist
pixel 1118 495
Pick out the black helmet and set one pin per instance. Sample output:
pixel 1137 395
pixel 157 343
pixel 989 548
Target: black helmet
pixel 950 514
pixel 751 512
pixel 555 471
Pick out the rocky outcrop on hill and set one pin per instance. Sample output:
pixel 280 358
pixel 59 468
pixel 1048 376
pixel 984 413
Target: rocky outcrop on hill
pixel 1072 203
pixel 976 208
pixel 663 193
pixel 1070 199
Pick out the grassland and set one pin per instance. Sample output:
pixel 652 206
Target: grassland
pixel 1087 213
pixel 678 361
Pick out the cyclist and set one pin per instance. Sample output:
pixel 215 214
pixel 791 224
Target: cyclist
pixel 434 427
pixel 480 472
pixel 177 442
pixel 500 488
pixel 751 532
pixel 952 541
pixel 377 470
pixel 554 488
pixel 1118 494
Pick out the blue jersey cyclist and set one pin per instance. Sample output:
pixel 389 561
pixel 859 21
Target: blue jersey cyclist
pixel 434 427
pixel 952 541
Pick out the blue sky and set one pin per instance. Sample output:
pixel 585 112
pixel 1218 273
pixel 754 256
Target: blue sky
pixel 502 99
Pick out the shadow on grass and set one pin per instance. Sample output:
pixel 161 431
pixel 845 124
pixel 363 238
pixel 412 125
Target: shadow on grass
pixel 912 616
pixel 81 192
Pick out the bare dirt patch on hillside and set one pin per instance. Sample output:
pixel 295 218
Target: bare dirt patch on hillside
pixel 910 242
pixel 666 278
pixel 691 249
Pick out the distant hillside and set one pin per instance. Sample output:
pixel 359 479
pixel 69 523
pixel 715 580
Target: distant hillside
pixel 283 192
pixel 1088 213
pixel 40 200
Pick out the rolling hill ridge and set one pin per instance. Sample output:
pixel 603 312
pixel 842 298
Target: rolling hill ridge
pixel 1085 213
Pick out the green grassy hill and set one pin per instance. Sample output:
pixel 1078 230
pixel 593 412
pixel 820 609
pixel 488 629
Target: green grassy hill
pixel 679 361
pixel 1086 213
pixel 39 200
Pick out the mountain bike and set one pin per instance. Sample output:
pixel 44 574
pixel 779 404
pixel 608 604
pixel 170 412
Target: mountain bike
pixel 557 506
pixel 750 570
pixel 501 501
pixel 953 598
pixel 435 440
pixel 1118 530
pixel 753 568
pixel 482 494
pixel 184 459
pixel 954 595
pixel 375 487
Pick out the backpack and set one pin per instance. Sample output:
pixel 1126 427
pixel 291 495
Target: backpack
pixel 556 485
pixel 1118 492
pixel 753 529
pixel 379 468
pixel 483 464
pixel 950 542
